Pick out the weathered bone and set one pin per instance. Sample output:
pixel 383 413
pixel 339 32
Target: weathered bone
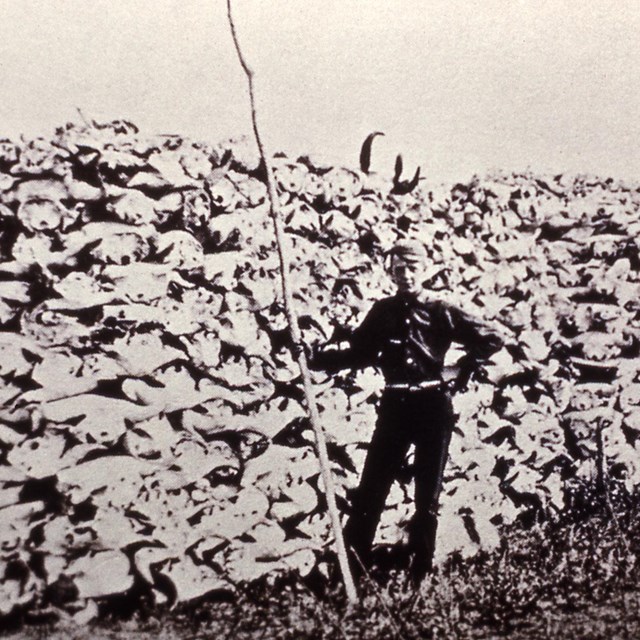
pixel 365 152
pixel 402 187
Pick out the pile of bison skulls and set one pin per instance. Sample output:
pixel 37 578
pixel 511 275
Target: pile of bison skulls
pixel 153 436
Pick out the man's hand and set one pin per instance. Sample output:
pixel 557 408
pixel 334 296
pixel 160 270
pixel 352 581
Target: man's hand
pixel 309 351
pixel 469 372
pixel 298 349
pixel 455 386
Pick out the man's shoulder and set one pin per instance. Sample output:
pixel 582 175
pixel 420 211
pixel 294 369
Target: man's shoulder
pixel 384 307
pixel 442 305
pixel 448 312
pixel 393 302
pixel 385 303
pixel 431 303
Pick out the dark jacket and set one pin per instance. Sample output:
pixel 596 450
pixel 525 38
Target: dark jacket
pixel 408 340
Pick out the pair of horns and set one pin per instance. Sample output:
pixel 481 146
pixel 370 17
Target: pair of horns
pixel 400 187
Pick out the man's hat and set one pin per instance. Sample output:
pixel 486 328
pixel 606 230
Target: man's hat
pixel 410 249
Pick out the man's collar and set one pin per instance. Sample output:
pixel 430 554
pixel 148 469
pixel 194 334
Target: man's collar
pixel 421 298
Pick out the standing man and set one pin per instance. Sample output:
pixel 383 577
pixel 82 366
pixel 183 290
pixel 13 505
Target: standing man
pixel 407 336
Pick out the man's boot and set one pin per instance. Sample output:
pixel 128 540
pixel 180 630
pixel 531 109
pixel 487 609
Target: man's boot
pixel 422 543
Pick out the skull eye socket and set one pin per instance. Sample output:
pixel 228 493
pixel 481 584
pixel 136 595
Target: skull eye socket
pixel 224 474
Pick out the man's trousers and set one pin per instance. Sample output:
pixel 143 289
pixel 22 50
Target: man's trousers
pixel 424 418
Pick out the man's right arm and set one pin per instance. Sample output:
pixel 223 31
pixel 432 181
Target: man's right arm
pixel 364 345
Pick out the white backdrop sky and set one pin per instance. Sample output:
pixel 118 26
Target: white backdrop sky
pixel 459 86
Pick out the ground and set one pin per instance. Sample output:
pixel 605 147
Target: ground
pixel 573 576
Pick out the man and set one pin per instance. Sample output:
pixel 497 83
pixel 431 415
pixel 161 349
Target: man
pixel 407 336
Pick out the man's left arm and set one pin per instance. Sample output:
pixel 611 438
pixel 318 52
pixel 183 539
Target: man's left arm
pixel 479 339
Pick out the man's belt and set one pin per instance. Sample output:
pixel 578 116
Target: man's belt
pixel 415 386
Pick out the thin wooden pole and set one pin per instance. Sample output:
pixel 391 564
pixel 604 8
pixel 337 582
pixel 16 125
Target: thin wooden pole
pixel 294 328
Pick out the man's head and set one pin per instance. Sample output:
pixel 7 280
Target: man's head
pixel 408 266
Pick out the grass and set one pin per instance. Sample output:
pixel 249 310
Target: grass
pixel 573 575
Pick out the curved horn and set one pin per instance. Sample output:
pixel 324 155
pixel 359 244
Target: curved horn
pixel 414 181
pixel 365 151
pixel 403 187
pixel 398 170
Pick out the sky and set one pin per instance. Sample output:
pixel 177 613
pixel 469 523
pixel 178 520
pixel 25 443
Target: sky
pixel 460 87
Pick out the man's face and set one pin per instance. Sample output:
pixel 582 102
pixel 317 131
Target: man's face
pixel 408 274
